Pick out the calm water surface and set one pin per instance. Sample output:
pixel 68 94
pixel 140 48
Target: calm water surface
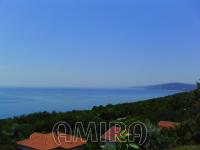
pixel 18 101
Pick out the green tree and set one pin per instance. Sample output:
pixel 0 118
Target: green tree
pixel 198 85
pixel 123 142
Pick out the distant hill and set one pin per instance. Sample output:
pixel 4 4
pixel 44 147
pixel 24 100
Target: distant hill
pixel 173 86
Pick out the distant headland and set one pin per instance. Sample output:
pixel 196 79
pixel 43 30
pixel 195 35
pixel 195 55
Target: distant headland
pixel 171 86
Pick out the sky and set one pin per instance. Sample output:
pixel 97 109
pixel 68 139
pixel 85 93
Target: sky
pixel 99 43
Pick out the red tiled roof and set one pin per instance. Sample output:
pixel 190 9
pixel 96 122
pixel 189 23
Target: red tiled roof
pixel 167 124
pixel 41 141
pixel 111 134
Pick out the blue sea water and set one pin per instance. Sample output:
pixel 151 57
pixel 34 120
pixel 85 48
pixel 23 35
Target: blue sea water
pixel 18 101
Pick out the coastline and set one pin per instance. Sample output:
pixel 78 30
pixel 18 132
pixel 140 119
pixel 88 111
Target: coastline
pixel 90 97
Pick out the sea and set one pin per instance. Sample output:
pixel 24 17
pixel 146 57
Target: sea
pixel 23 101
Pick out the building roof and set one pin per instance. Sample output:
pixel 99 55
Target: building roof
pixel 48 141
pixel 167 124
pixel 111 134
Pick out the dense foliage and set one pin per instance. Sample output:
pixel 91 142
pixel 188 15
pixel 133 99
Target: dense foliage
pixel 183 108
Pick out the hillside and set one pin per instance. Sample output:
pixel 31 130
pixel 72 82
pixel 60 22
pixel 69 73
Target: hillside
pixel 183 108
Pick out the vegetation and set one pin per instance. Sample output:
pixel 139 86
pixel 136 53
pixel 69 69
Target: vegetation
pixel 198 85
pixel 124 144
pixel 183 108
pixel 187 148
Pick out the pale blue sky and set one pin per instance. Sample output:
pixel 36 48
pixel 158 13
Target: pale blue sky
pixel 99 43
